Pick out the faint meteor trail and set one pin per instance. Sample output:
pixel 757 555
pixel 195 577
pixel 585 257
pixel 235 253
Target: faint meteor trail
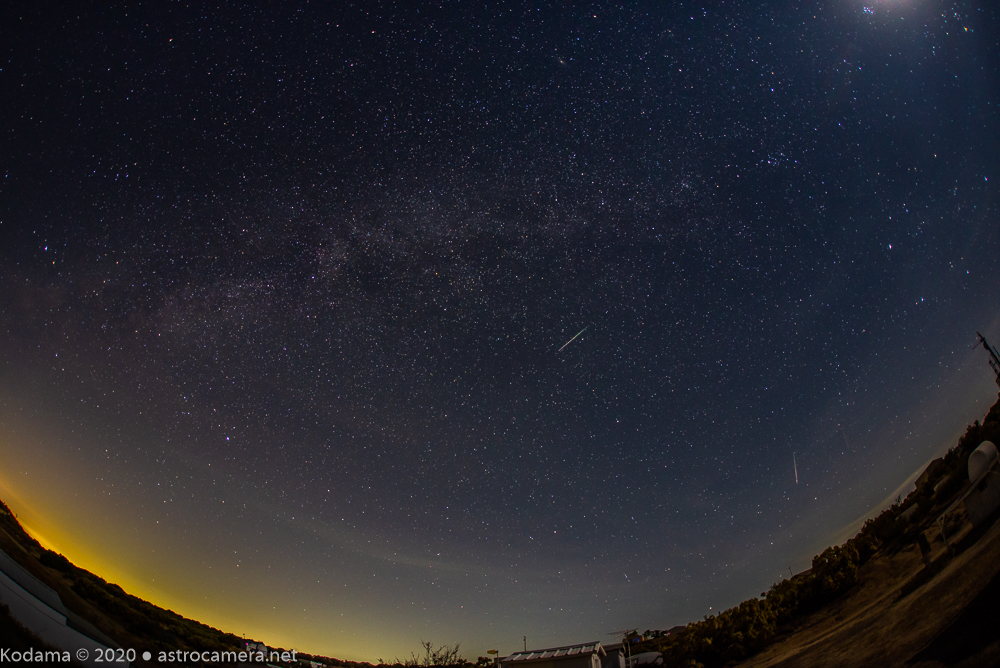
pixel 796 467
pixel 574 338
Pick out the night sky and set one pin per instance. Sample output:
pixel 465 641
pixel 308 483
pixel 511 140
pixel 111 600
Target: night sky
pixel 284 293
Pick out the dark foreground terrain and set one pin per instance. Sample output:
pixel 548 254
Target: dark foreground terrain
pixel 949 619
pixel 873 601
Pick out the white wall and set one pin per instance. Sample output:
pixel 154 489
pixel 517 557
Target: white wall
pixel 47 623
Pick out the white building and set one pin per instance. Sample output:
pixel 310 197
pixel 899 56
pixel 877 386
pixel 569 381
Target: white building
pixel 586 655
pixel 983 498
pixel 40 609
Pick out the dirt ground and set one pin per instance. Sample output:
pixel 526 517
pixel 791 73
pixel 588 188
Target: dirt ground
pixel 952 619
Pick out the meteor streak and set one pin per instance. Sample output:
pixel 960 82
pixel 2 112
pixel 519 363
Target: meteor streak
pixel 796 467
pixel 574 338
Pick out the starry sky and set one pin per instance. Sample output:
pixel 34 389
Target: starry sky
pixel 284 293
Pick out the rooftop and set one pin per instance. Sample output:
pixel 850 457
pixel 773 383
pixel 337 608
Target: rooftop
pixel 557 652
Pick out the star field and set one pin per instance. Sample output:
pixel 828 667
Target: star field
pixel 283 293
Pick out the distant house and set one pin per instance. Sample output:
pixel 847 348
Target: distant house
pixel 586 655
pixel 675 630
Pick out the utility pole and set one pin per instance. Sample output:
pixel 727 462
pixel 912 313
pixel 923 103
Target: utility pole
pixel 525 643
pixel 994 356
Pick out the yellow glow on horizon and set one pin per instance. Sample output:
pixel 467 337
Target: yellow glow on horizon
pixel 79 550
pixel 37 535
pixel 51 490
pixel 33 512
pixel 39 489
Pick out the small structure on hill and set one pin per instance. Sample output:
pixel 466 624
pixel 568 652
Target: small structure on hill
pixel 586 655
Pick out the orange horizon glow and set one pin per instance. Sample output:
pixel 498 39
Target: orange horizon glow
pixel 34 513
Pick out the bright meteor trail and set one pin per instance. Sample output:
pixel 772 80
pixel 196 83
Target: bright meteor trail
pixel 574 338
